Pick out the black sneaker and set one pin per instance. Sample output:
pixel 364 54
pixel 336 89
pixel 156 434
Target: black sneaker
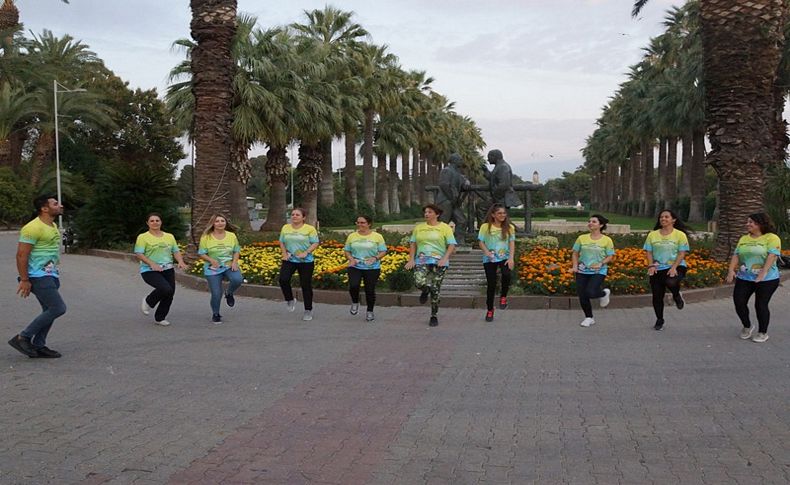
pixel 230 299
pixel 23 345
pixel 434 321
pixel 659 324
pixel 216 318
pixel 47 353
pixel 679 301
pixel 424 297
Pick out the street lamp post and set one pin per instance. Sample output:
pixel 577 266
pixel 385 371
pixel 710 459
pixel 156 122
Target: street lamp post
pixel 63 89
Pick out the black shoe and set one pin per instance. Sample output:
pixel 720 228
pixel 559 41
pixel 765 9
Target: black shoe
pixel 659 324
pixel 679 301
pixel 434 321
pixel 47 353
pixel 230 299
pixel 216 318
pixel 424 297
pixel 23 345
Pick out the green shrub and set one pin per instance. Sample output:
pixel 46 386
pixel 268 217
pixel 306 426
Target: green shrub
pixel 524 245
pixel 123 197
pixel 401 280
pixel 16 199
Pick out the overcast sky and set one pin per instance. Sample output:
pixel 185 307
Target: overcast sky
pixel 533 74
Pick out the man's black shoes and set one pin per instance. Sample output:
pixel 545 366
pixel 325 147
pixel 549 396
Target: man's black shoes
pixel 23 345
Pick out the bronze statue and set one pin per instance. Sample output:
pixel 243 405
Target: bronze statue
pixel 452 184
pixel 500 181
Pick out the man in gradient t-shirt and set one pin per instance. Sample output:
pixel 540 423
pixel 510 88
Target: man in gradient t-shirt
pixel 37 259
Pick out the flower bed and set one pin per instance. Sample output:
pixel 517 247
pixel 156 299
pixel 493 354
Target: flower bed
pixel 260 263
pixel 544 271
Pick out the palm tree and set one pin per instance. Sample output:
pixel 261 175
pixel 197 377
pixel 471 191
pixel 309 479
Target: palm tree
pixel 742 50
pixel 338 36
pixel 213 27
pixel 15 106
pixel 64 59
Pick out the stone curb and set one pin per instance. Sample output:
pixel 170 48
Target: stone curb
pixel 518 302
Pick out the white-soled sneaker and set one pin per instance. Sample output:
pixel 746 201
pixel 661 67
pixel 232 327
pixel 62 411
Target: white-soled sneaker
pixel 354 308
pixel 145 308
pixel 291 305
pixel 746 333
pixel 604 301
pixel 587 322
pixel 760 337
pixel 308 315
pixel 369 317
pixel 163 323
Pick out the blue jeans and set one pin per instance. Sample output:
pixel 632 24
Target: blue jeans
pixel 46 290
pixel 215 286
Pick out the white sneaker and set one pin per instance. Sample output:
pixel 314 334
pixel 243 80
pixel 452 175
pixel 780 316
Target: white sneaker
pixel 369 317
pixel 354 308
pixel 145 308
pixel 163 323
pixel 604 300
pixel 746 333
pixel 291 305
pixel 587 322
pixel 308 315
pixel 760 337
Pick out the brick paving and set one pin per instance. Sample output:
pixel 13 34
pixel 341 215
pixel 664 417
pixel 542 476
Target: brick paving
pixel 267 398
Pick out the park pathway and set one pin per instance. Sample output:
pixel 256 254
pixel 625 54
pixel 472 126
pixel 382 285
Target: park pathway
pixel 267 398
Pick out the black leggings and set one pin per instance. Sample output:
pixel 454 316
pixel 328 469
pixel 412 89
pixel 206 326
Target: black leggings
pixel 490 269
pixel 588 287
pixel 659 283
pixel 305 271
pixel 763 291
pixel 164 283
pixel 370 277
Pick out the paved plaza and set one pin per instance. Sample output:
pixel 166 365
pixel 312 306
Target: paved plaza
pixel 267 398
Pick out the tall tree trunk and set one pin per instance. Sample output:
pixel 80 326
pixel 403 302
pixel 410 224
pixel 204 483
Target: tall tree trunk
pixel 17 139
pixel 382 186
pixel 9 19
pixel 423 159
pixel 327 189
pixel 649 186
pixel 277 173
pixel 350 171
pixel 309 177
pixel 405 187
pixel 5 153
pixel 213 28
pixel 611 184
pixel 415 179
pixel 368 183
pixel 697 178
pixel 685 160
pixel 393 185
pixel 242 172
pixel 662 174
pixel 671 188
pixel 742 45
pixel 43 154
pixel 629 197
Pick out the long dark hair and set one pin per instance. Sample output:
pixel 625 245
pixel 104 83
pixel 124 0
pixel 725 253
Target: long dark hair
pixel 764 221
pixel 505 224
pixel 679 224
pixel 601 220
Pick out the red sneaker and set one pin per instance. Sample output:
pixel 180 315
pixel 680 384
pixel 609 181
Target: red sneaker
pixel 490 316
pixel 503 303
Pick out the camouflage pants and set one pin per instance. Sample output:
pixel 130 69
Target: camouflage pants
pixel 428 278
